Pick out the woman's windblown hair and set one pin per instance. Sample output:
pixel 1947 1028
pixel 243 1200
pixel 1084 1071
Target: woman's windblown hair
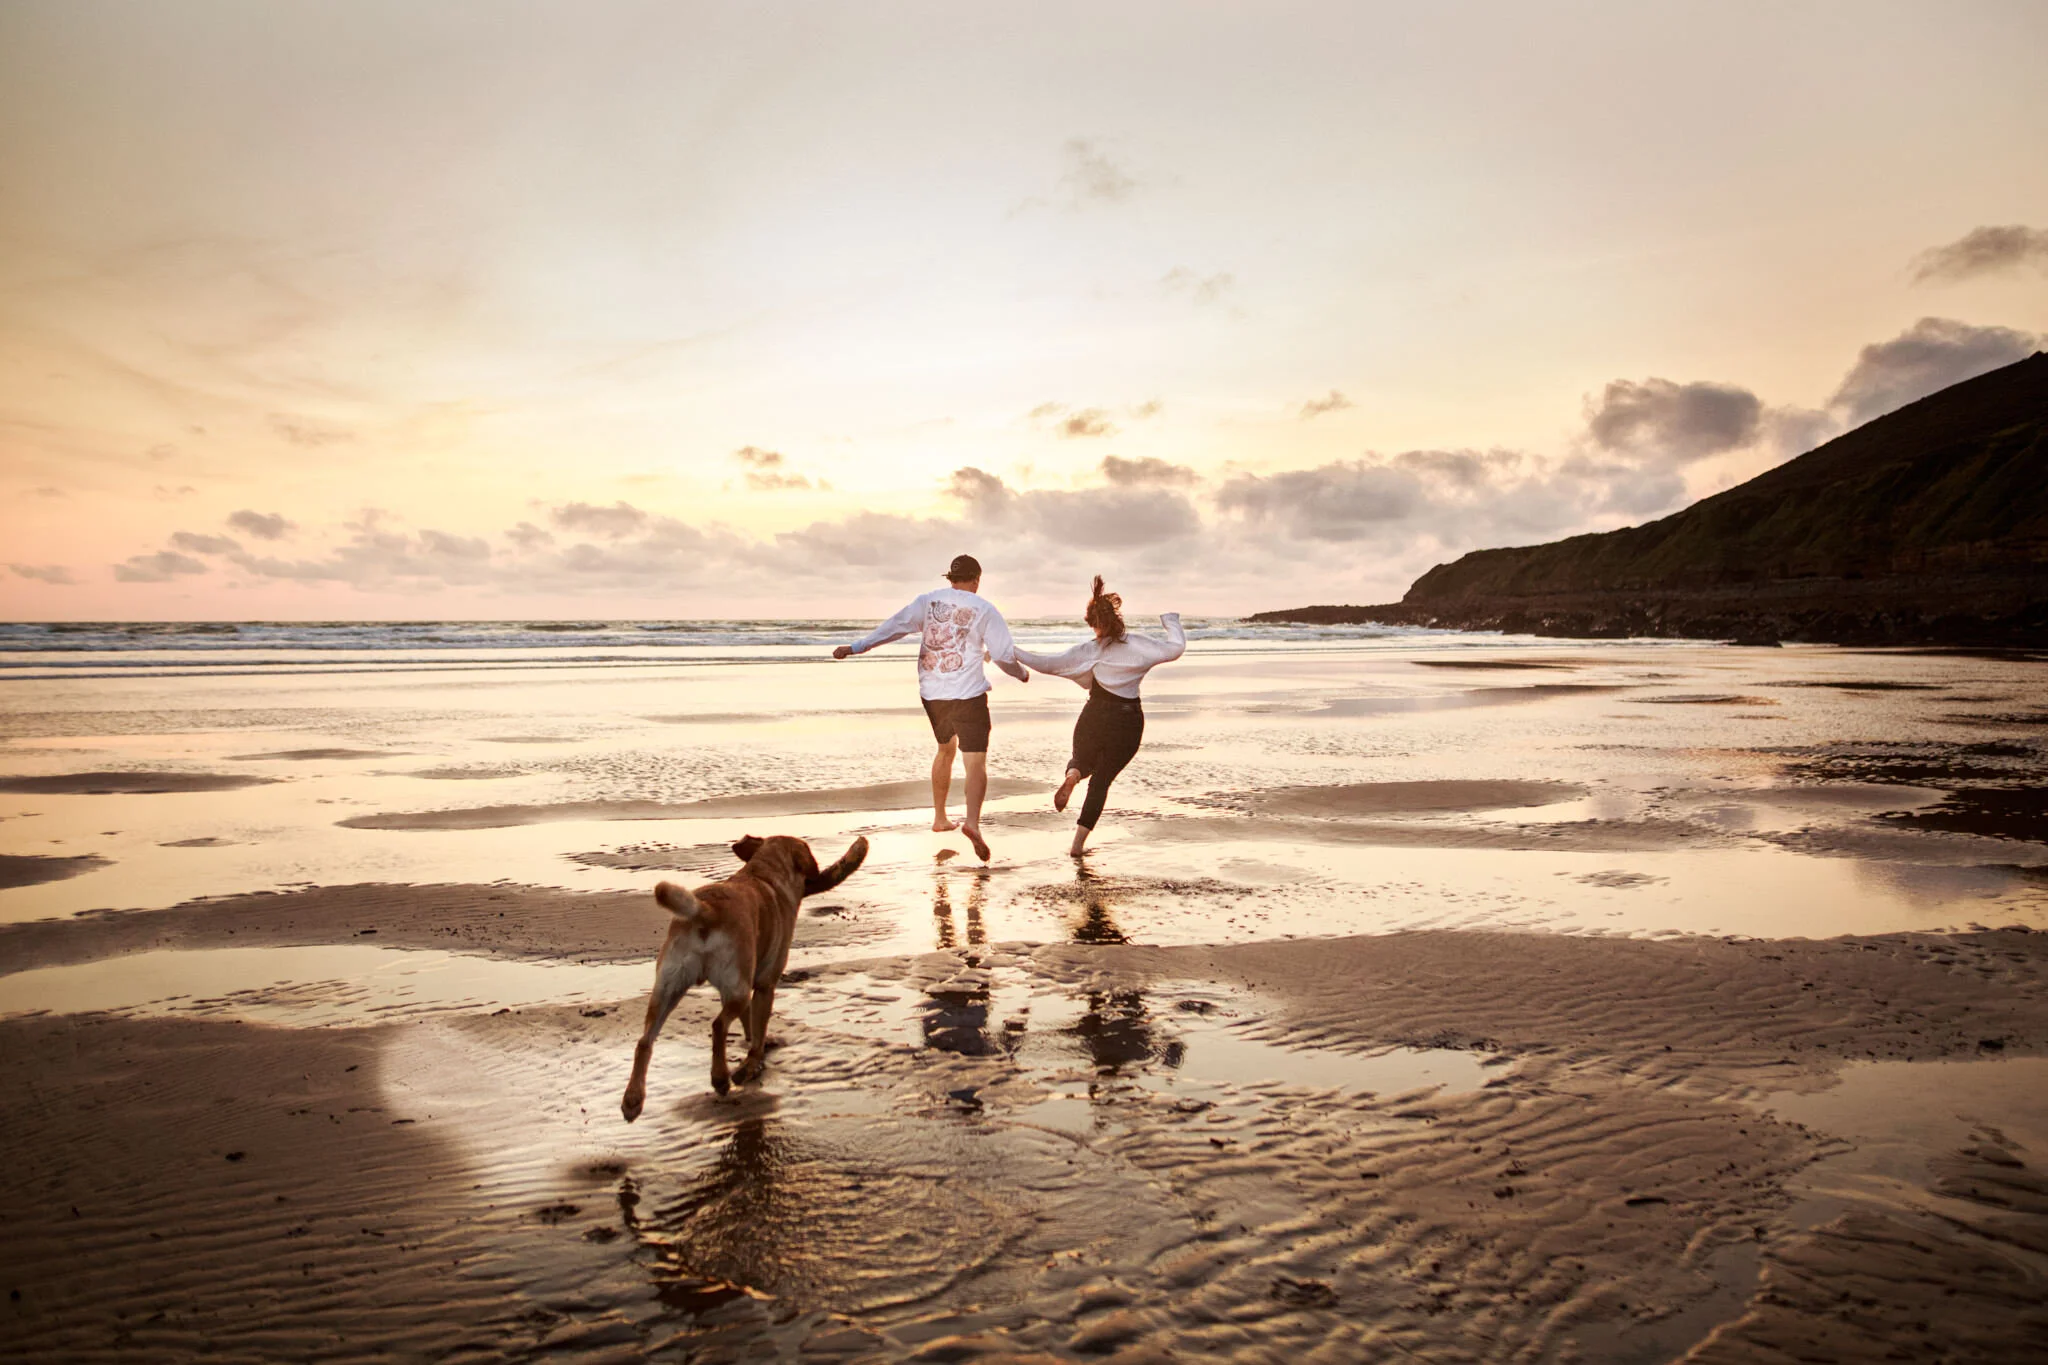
pixel 1105 612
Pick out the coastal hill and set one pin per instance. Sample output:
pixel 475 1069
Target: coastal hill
pixel 1928 525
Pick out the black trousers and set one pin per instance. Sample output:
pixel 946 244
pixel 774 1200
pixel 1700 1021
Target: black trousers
pixel 1106 738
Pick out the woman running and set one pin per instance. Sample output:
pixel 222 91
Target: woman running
pixel 1110 666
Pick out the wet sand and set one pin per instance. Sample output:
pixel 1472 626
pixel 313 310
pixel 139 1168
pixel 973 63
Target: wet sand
pixel 1385 1024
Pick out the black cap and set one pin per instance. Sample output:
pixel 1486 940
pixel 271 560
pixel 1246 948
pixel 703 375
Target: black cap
pixel 965 569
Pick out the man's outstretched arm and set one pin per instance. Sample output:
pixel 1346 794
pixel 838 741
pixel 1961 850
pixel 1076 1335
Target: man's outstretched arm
pixel 895 628
pixel 1001 649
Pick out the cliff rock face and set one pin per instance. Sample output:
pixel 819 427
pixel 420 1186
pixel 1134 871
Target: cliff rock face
pixel 1927 525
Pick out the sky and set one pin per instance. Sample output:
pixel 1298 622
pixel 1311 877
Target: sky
pixel 604 310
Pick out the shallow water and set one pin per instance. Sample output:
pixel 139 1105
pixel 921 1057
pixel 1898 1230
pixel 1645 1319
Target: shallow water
pixel 1290 786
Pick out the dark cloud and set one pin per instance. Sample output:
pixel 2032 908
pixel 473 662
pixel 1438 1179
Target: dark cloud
pixel 1316 407
pixel 1200 288
pixel 44 573
pixel 1668 423
pixel 757 458
pixel 620 519
pixel 203 545
pixel 375 557
pixel 262 525
pixel 161 567
pixel 1459 468
pixel 1091 177
pixel 1983 251
pixel 1147 471
pixel 1928 356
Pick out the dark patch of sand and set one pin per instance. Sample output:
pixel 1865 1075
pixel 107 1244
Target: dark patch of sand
pixel 1455 701
pixel 700 859
pixel 33 869
pixel 1404 798
pixel 479 773
pixel 131 783
pixel 310 755
pixel 1498 663
pixel 1988 812
pixel 519 921
pixel 1705 699
pixel 205 841
pixel 756 805
pixel 528 739
pixel 1573 836
pixel 1867 685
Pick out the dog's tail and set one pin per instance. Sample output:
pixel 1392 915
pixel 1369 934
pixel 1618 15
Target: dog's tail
pixel 849 862
pixel 678 901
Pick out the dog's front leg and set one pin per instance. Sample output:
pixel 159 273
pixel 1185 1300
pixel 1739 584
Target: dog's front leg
pixel 758 1010
pixel 721 1077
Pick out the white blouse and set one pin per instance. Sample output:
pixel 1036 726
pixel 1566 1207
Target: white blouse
pixel 1119 665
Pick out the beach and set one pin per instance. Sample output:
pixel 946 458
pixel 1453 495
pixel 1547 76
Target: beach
pixel 1422 995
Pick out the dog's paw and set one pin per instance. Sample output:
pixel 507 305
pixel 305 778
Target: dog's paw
pixel 749 1070
pixel 632 1104
pixel 722 1084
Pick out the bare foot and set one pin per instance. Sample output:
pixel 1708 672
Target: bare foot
pixel 1066 789
pixel 974 837
pixel 941 825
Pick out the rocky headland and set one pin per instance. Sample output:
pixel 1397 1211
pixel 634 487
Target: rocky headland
pixel 1928 525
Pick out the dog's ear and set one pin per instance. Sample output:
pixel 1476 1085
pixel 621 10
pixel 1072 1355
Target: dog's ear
pixel 746 848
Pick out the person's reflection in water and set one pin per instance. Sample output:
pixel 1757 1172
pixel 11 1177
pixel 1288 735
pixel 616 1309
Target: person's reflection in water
pixel 942 909
pixel 736 1230
pixel 957 1020
pixel 1098 912
pixel 1118 1031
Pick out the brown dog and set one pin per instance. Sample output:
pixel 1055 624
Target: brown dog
pixel 736 935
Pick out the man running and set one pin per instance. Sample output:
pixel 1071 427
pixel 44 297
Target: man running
pixel 960 628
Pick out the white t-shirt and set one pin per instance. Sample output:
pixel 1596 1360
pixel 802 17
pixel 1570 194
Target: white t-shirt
pixel 954 627
pixel 1119 665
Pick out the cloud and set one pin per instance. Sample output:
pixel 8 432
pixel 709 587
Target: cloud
pixel 620 519
pixel 262 525
pixel 1983 251
pixel 50 491
pixel 45 573
pixel 1672 423
pixel 1928 356
pixel 1118 515
pixel 1091 177
pixel 1202 289
pixel 161 567
pixel 302 431
pixel 1316 407
pixel 375 557
pixel 763 472
pixel 527 536
pixel 1345 500
pixel 1147 471
pixel 1151 407
pixel 203 545
pixel 1086 423
pixel 1079 424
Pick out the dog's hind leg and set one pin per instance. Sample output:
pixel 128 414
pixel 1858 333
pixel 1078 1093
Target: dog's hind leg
pixel 758 1010
pixel 721 1076
pixel 672 976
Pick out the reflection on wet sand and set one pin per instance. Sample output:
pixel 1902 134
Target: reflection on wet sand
pixel 1098 912
pixel 942 908
pixel 1119 1031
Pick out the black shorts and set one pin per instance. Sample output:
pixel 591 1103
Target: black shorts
pixel 966 721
